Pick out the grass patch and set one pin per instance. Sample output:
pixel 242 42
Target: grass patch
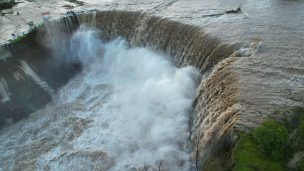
pixel 19 38
pixel 248 156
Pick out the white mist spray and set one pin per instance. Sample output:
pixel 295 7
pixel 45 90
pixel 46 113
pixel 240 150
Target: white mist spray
pixel 127 110
pixel 147 110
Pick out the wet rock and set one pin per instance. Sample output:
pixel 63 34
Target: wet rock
pixel 238 10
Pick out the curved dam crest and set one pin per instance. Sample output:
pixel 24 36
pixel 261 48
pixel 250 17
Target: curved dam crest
pixel 214 109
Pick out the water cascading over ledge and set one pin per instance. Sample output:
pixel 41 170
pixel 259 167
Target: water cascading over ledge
pixel 30 71
pixel 29 74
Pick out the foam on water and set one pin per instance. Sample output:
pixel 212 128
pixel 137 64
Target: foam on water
pixel 127 110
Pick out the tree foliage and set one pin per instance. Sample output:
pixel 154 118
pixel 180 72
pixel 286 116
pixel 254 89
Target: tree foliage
pixel 7 4
pixel 271 138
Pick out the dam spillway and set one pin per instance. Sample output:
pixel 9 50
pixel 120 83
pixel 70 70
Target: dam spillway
pixel 47 63
pixel 261 81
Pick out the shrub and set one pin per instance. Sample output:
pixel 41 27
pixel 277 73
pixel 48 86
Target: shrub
pixel 7 4
pixel 271 138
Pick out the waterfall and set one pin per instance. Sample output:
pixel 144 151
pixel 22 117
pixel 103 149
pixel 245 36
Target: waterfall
pixel 182 45
pixel 129 106
pixel 4 91
pixel 186 45
pixel 71 21
pixel 28 71
pixel 6 51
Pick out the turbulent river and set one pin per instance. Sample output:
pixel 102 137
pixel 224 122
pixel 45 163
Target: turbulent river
pixel 128 109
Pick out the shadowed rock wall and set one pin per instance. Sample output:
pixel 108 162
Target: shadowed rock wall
pixel 30 71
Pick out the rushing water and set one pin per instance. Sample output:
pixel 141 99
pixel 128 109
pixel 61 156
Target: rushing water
pixel 127 110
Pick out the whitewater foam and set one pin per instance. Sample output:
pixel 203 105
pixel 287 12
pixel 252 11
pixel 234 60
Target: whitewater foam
pixel 127 110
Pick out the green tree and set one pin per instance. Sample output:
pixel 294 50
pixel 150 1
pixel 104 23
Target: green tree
pixel 271 138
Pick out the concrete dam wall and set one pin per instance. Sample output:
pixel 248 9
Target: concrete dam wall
pixel 32 70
